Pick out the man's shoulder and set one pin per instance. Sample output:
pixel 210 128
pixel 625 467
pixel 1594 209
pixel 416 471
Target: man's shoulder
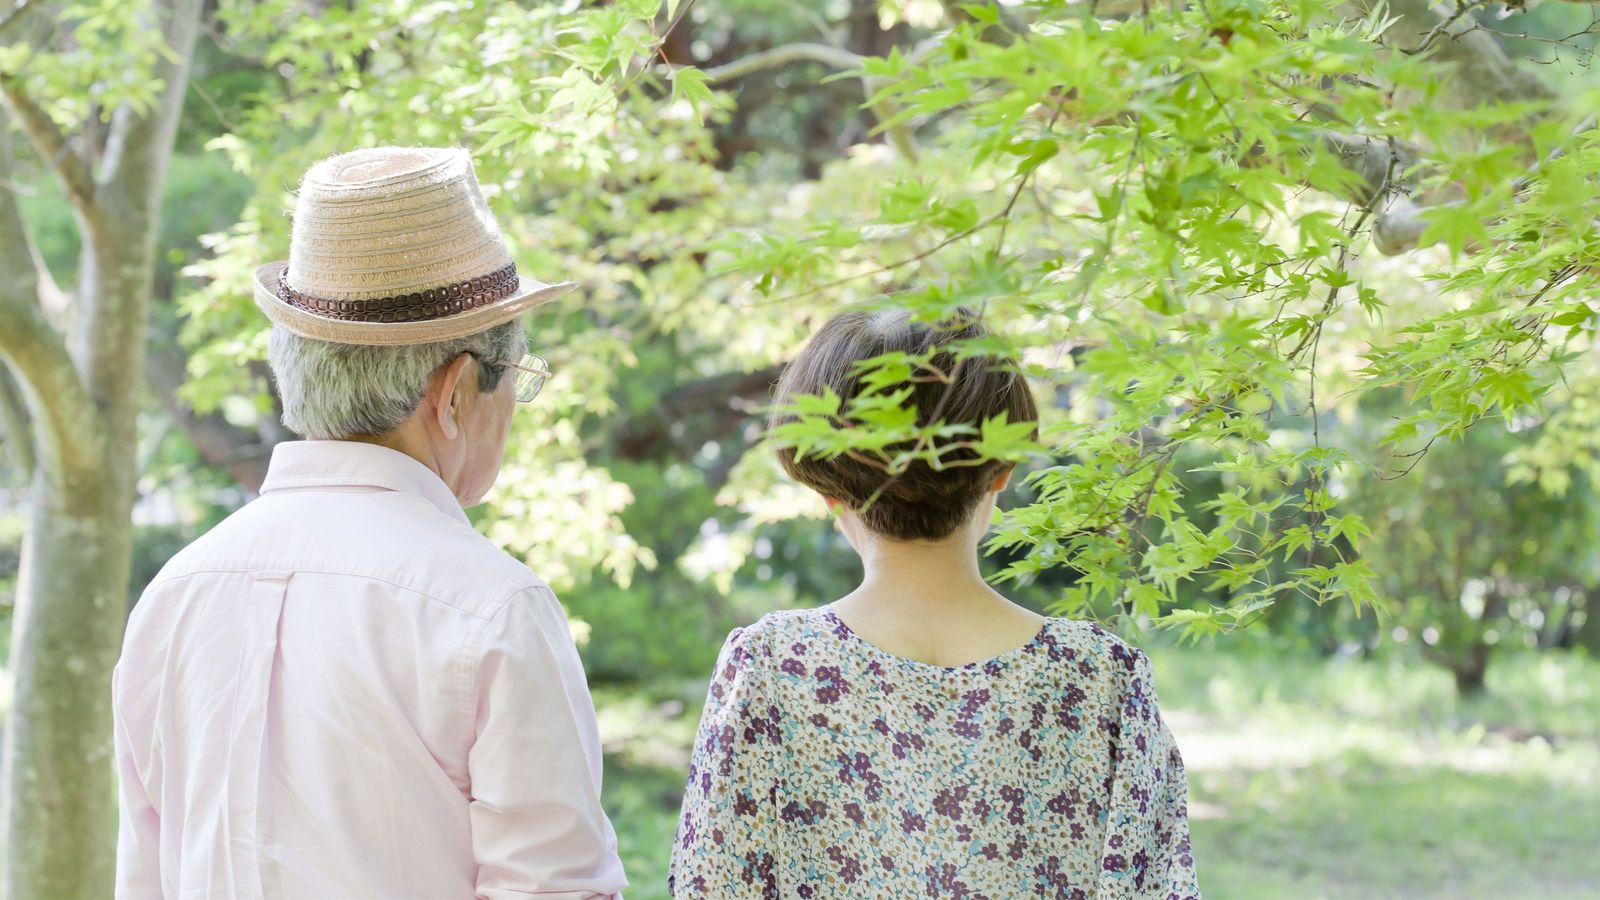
pixel 392 538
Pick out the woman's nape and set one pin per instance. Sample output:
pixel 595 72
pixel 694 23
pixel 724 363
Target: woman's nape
pixel 927 600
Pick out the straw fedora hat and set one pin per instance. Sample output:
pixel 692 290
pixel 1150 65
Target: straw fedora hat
pixel 395 245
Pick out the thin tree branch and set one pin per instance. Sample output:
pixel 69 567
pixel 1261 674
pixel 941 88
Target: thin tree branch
pixel 14 14
pixel 139 144
pixel 838 58
pixel 68 433
pixel 1462 8
pixel 242 452
pixel 51 144
pixel 1483 72
pixel 18 429
pixel 112 327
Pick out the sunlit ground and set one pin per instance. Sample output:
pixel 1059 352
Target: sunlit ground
pixel 1309 778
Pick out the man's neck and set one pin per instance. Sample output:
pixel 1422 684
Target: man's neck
pixel 404 440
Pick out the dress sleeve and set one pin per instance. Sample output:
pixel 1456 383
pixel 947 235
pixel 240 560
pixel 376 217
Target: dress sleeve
pixel 1146 854
pixel 727 841
pixel 538 830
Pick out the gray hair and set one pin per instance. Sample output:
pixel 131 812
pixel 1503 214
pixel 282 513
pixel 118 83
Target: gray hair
pixel 334 391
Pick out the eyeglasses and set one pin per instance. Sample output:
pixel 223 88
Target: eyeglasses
pixel 531 373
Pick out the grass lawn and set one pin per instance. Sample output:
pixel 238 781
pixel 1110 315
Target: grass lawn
pixel 1309 778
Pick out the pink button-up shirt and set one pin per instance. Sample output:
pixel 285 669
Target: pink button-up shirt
pixel 343 691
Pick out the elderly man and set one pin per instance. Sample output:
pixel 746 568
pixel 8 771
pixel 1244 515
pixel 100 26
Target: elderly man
pixel 343 691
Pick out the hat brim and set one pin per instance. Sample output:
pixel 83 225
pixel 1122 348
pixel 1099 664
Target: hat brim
pixel 530 294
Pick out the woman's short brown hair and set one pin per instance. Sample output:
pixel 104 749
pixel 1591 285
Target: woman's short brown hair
pixel 920 503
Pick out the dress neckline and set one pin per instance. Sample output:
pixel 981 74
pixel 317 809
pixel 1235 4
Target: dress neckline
pixel 847 634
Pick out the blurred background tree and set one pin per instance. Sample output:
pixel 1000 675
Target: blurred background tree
pixel 104 141
pixel 1306 287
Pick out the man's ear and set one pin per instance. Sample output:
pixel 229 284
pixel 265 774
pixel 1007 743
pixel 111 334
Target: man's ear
pixel 447 392
pixel 1002 480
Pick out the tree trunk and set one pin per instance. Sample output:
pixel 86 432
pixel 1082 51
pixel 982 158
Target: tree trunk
pixel 62 817
pixel 1588 634
pixel 83 395
pixel 1470 675
pixel 72 594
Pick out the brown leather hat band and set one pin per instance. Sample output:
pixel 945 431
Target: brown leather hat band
pixel 433 303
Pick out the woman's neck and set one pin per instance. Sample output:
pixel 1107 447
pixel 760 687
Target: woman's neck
pixel 922 574
pixel 928 601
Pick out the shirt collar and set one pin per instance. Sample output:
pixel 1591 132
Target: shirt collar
pixel 336 464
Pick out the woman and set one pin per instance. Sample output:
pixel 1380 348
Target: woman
pixel 924 736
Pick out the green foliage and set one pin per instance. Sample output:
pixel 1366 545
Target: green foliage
pixel 1474 556
pixel 1155 213
pixel 104 66
pixel 1135 218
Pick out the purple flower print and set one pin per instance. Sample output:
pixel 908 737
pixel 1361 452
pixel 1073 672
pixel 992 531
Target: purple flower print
pixel 1036 712
pixel 744 804
pixel 942 881
pixel 1121 654
pixel 810 813
pixel 849 866
pixel 905 742
pixel 833 747
pixel 948 801
pixel 1059 804
pixel 832 684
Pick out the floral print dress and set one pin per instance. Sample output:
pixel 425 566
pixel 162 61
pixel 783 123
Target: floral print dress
pixel 825 767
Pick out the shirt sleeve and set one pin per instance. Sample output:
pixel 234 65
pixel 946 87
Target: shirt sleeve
pixel 538 829
pixel 1146 854
pixel 727 832
pixel 139 825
